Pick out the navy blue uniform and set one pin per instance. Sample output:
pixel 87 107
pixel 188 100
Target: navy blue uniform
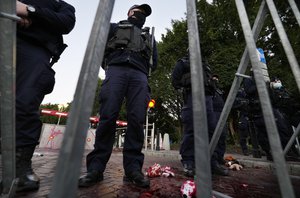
pixel 39 45
pixel 218 105
pixel 242 105
pixel 126 77
pixel 181 79
pixel 36 45
pixel 243 131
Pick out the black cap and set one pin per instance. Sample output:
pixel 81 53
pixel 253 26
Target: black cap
pixel 145 7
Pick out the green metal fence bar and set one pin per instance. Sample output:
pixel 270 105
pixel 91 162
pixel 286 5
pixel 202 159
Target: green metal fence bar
pixel 69 163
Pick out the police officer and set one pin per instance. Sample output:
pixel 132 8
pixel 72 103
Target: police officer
pixel 284 102
pixel 284 129
pixel 218 105
pixel 39 45
pixel 287 108
pixel 181 78
pixel 128 57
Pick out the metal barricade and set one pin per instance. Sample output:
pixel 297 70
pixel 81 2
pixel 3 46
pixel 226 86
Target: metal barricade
pixel 66 179
pixel 7 94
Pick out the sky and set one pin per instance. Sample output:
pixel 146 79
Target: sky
pixel 68 67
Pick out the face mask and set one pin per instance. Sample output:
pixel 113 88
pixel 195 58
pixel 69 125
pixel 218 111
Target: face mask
pixel 138 19
pixel 277 85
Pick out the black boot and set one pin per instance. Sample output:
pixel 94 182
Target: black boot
pixel 27 179
pixel 90 179
pixel 137 178
pixel 189 170
pixel 219 170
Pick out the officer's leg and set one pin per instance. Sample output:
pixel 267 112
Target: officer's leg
pixel 111 96
pixel 187 144
pixel 34 79
pixel 285 130
pixel 138 96
pixel 221 145
pixel 262 136
pixel 243 129
pixel 211 118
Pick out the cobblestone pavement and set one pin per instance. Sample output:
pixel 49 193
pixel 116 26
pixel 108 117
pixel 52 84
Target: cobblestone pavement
pixel 255 180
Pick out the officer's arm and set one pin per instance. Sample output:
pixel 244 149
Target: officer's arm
pixel 112 29
pixel 250 86
pixel 177 75
pixel 62 20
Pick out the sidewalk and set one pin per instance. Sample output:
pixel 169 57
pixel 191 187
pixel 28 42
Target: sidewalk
pixel 255 180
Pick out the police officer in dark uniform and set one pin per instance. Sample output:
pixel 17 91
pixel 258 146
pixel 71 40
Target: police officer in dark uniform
pixel 181 78
pixel 287 108
pixel 284 129
pixel 218 105
pixel 39 45
pixel 284 102
pixel 128 59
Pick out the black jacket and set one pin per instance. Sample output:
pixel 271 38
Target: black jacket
pixel 181 76
pixel 50 21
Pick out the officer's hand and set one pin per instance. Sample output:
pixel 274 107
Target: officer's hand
pixel 21 9
pixel 24 22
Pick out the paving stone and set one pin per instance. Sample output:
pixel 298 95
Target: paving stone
pixel 257 179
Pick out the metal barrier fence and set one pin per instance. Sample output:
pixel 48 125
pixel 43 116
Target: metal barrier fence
pixel 7 94
pixel 65 180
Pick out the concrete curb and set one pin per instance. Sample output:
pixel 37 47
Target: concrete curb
pixel 248 161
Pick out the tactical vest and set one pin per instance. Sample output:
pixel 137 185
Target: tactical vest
pixel 209 84
pixel 129 37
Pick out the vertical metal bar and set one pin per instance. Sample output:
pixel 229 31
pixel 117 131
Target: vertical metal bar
pixel 68 166
pixel 295 10
pixel 7 92
pixel 203 169
pixel 257 27
pixel 152 137
pixel 277 153
pixel 285 42
pixel 146 130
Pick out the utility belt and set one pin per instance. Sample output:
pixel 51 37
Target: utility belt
pixel 125 57
pixel 55 50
